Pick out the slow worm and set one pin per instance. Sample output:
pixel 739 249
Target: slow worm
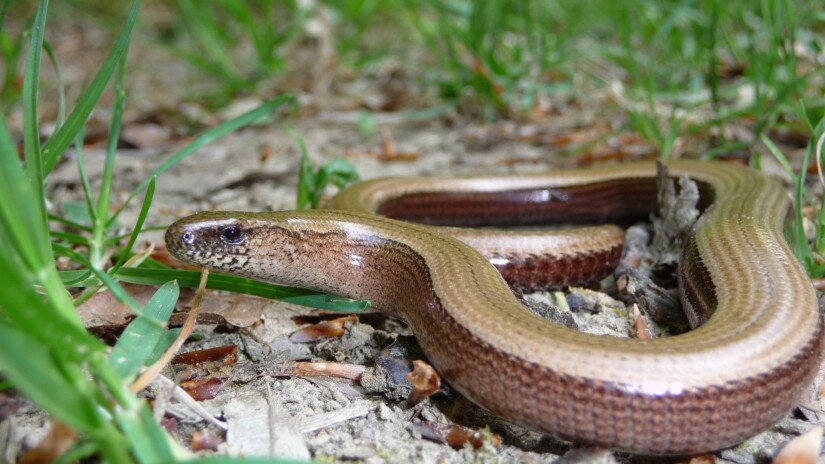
pixel 754 349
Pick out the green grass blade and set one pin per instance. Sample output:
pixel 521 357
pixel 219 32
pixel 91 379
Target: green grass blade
pixel 190 279
pixel 137 343
pixel 116 238
pixel 61 89
pixel 79 453
pixel 36 373
pixel 69 237
pixel 101 213
pixel 54 328
pixel 84 176
pixel 148 441
pixel 116 289
pixel 215 133
pixel 19 221
pixel 208 137
pixel 778 155
pixel 75 278
pixel 105 191
pixel 306 175
pixel 69 222
pixel 138 227
pixel 61 139
pixel 31 126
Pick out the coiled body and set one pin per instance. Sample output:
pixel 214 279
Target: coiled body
pixel 753 352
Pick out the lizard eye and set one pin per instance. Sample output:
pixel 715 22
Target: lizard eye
pixel 232 235
pixel 187 238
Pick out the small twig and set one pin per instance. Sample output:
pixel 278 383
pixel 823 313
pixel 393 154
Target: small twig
pixel 183 398
pixel 327 419
pixel 188 326
pixel 329 369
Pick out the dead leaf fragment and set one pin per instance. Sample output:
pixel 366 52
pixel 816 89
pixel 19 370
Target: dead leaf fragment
pixel 803 449
pixel 204 388
pixel 424 380
pixel 323 329
pixel 203 440
pixel 456 435
pixel 226 354
pixel 57 441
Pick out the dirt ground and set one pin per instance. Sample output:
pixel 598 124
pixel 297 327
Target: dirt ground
pixel 256 169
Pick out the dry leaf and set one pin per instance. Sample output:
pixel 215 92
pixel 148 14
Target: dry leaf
pixel 203 440
pixel 424 380
pixel 323 329
pixel 57 441
pixel 226 354
pixel 204 388
pixel 456 435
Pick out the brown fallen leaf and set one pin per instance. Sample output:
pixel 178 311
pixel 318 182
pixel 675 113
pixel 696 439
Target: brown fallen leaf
pixel 202 373
pixel 323 329
pixel 424 380
pixel 203 440
pixel 57 441
pixel 226 354
pixel 803 449
pixel 456 435
pixel 204 388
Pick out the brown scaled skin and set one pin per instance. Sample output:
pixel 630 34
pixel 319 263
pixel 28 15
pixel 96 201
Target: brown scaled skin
pixel 752 354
